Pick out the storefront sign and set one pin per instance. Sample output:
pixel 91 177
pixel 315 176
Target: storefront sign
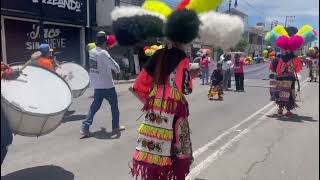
pixel 65 11
pixel 72 5
pixel 23 38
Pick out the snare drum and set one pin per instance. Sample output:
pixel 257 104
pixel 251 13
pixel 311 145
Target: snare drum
pixel 36 102
pixel 76 76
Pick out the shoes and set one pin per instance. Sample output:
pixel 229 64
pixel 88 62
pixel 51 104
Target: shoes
pixel 84 132
pixel 289 114
pixel 121 128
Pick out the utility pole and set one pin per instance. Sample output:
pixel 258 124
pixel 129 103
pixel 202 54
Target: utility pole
pixel 287 20
pixel 230 4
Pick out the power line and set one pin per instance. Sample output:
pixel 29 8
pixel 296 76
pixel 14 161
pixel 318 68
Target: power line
pixel 256 9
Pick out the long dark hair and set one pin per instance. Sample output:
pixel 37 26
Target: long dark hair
pixel 163 63
pixel 288 56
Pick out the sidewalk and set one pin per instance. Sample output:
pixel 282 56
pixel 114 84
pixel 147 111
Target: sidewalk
pixel 277 149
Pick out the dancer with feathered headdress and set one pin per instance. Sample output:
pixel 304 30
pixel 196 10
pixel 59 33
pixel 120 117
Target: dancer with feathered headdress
pixel 164 147
pixel 289 39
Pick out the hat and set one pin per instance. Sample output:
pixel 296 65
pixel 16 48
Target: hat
pixel 44 49
pixel 101 34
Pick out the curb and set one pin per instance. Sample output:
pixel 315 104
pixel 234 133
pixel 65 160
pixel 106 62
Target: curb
pixel 124 81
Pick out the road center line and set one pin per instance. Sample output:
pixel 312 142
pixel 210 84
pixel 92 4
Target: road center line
pixel 231 130
pixel 214 156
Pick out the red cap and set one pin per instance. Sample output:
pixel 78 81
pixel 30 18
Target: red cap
pixel 111 40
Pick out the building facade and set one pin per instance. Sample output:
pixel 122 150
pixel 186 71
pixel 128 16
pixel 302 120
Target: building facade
pixel 25 24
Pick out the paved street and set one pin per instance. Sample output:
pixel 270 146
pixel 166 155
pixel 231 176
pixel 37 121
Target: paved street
pixel 237 139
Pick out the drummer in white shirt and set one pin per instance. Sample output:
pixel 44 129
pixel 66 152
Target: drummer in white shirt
pixel 101 80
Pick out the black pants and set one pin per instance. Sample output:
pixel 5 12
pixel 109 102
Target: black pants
pixel 239 77
pixel 3 153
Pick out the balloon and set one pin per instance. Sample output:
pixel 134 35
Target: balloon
pixel 171 3
pixel 280 30
pixel 265 53
pixel 183 4
pixel 149 51
pixel 158 7
pixel 201 6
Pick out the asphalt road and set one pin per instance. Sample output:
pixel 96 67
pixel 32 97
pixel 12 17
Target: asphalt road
pixel 217 128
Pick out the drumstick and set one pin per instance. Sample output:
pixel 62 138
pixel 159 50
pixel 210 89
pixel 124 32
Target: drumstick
pixel 34 56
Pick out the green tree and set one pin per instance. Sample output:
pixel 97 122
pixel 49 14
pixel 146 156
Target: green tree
pixel 241 46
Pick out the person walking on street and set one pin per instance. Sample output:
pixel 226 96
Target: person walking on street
pixel 226 67
pixel 238 72
pixel 205 61
pixel 101 67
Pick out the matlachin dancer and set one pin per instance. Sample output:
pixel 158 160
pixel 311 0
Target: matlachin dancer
pixel 272 76
pixel 164 150
pixel 289 39
pixel 164 146
pixel 287 69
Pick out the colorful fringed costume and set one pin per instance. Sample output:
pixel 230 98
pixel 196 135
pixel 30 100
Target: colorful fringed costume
pixel 289 39
pixel 313 64
pixel 272 78
pixel 164 147
pixel 216 85
pixel 287 70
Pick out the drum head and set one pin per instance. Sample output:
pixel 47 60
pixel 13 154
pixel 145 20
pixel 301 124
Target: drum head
pixel 75 75
pixel 39 91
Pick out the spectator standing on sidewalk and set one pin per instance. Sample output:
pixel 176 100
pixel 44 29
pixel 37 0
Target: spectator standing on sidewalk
pixel 101 80
pixel 238 72
pixel 205 61
pixel 226 67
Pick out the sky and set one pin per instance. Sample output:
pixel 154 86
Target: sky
pixel 305 11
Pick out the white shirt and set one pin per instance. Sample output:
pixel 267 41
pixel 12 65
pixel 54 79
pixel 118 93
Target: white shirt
pixel 227 65
pixel 101 67
pixel 315 63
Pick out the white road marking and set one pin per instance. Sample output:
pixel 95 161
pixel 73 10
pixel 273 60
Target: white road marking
pixel 229 131
pixel 214 156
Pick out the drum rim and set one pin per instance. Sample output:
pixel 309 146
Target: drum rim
pixel 34 65
pixel 37 114
pixel 4 100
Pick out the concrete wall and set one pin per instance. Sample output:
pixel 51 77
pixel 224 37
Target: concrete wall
pixel 104 7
